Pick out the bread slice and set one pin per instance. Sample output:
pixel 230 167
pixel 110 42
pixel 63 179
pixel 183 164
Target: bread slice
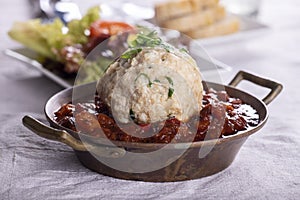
pixel 196 20
pixel 226 26
pixel 176 8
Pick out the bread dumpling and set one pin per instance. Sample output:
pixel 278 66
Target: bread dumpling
pixel 152 86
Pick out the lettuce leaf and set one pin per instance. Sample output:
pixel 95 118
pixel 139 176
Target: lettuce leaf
pixel 77 28
pixel 48 39
pixel 37 36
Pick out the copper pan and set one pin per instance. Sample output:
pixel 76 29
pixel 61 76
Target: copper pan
pixel 188 166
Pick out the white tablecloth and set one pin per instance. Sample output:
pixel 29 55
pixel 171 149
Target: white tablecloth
pixel 267 166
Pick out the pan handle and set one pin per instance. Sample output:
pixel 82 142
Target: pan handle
pixel 274 86
pixel 63 136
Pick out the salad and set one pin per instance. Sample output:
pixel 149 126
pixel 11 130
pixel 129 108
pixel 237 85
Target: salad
pixel 69 45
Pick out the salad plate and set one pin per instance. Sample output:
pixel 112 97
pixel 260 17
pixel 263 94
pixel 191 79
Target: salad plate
pixel 31 59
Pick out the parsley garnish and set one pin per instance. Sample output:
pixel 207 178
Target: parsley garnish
pixel 184 50
pixel 169 80
pixel 145 75
pixel 147 38
pixel 170 92
pixel 131 53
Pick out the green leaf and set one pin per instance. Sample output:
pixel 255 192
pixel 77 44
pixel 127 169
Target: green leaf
pixel 184 50
pixel 169 80
pixel 77 28
pixel 44 39
pixel 144 38
pixel 92 70
pixel 170 92
pixel 147 77
pixel 131 53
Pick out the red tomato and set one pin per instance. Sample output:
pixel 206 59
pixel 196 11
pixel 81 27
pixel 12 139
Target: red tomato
pixel 107 28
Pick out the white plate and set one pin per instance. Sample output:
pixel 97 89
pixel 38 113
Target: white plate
pixel 250 28
pixel 30 58
pixel 143 12
pixel 211 70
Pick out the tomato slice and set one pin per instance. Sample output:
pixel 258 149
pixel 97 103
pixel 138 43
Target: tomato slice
pixel 102 28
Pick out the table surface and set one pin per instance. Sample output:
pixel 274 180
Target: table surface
pixel 267 166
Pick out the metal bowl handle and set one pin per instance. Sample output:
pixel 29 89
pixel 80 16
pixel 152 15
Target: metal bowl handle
pixel 63 136
pixel 274 86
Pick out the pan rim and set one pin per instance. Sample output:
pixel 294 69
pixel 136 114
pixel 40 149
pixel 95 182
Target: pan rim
pixel 237 136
